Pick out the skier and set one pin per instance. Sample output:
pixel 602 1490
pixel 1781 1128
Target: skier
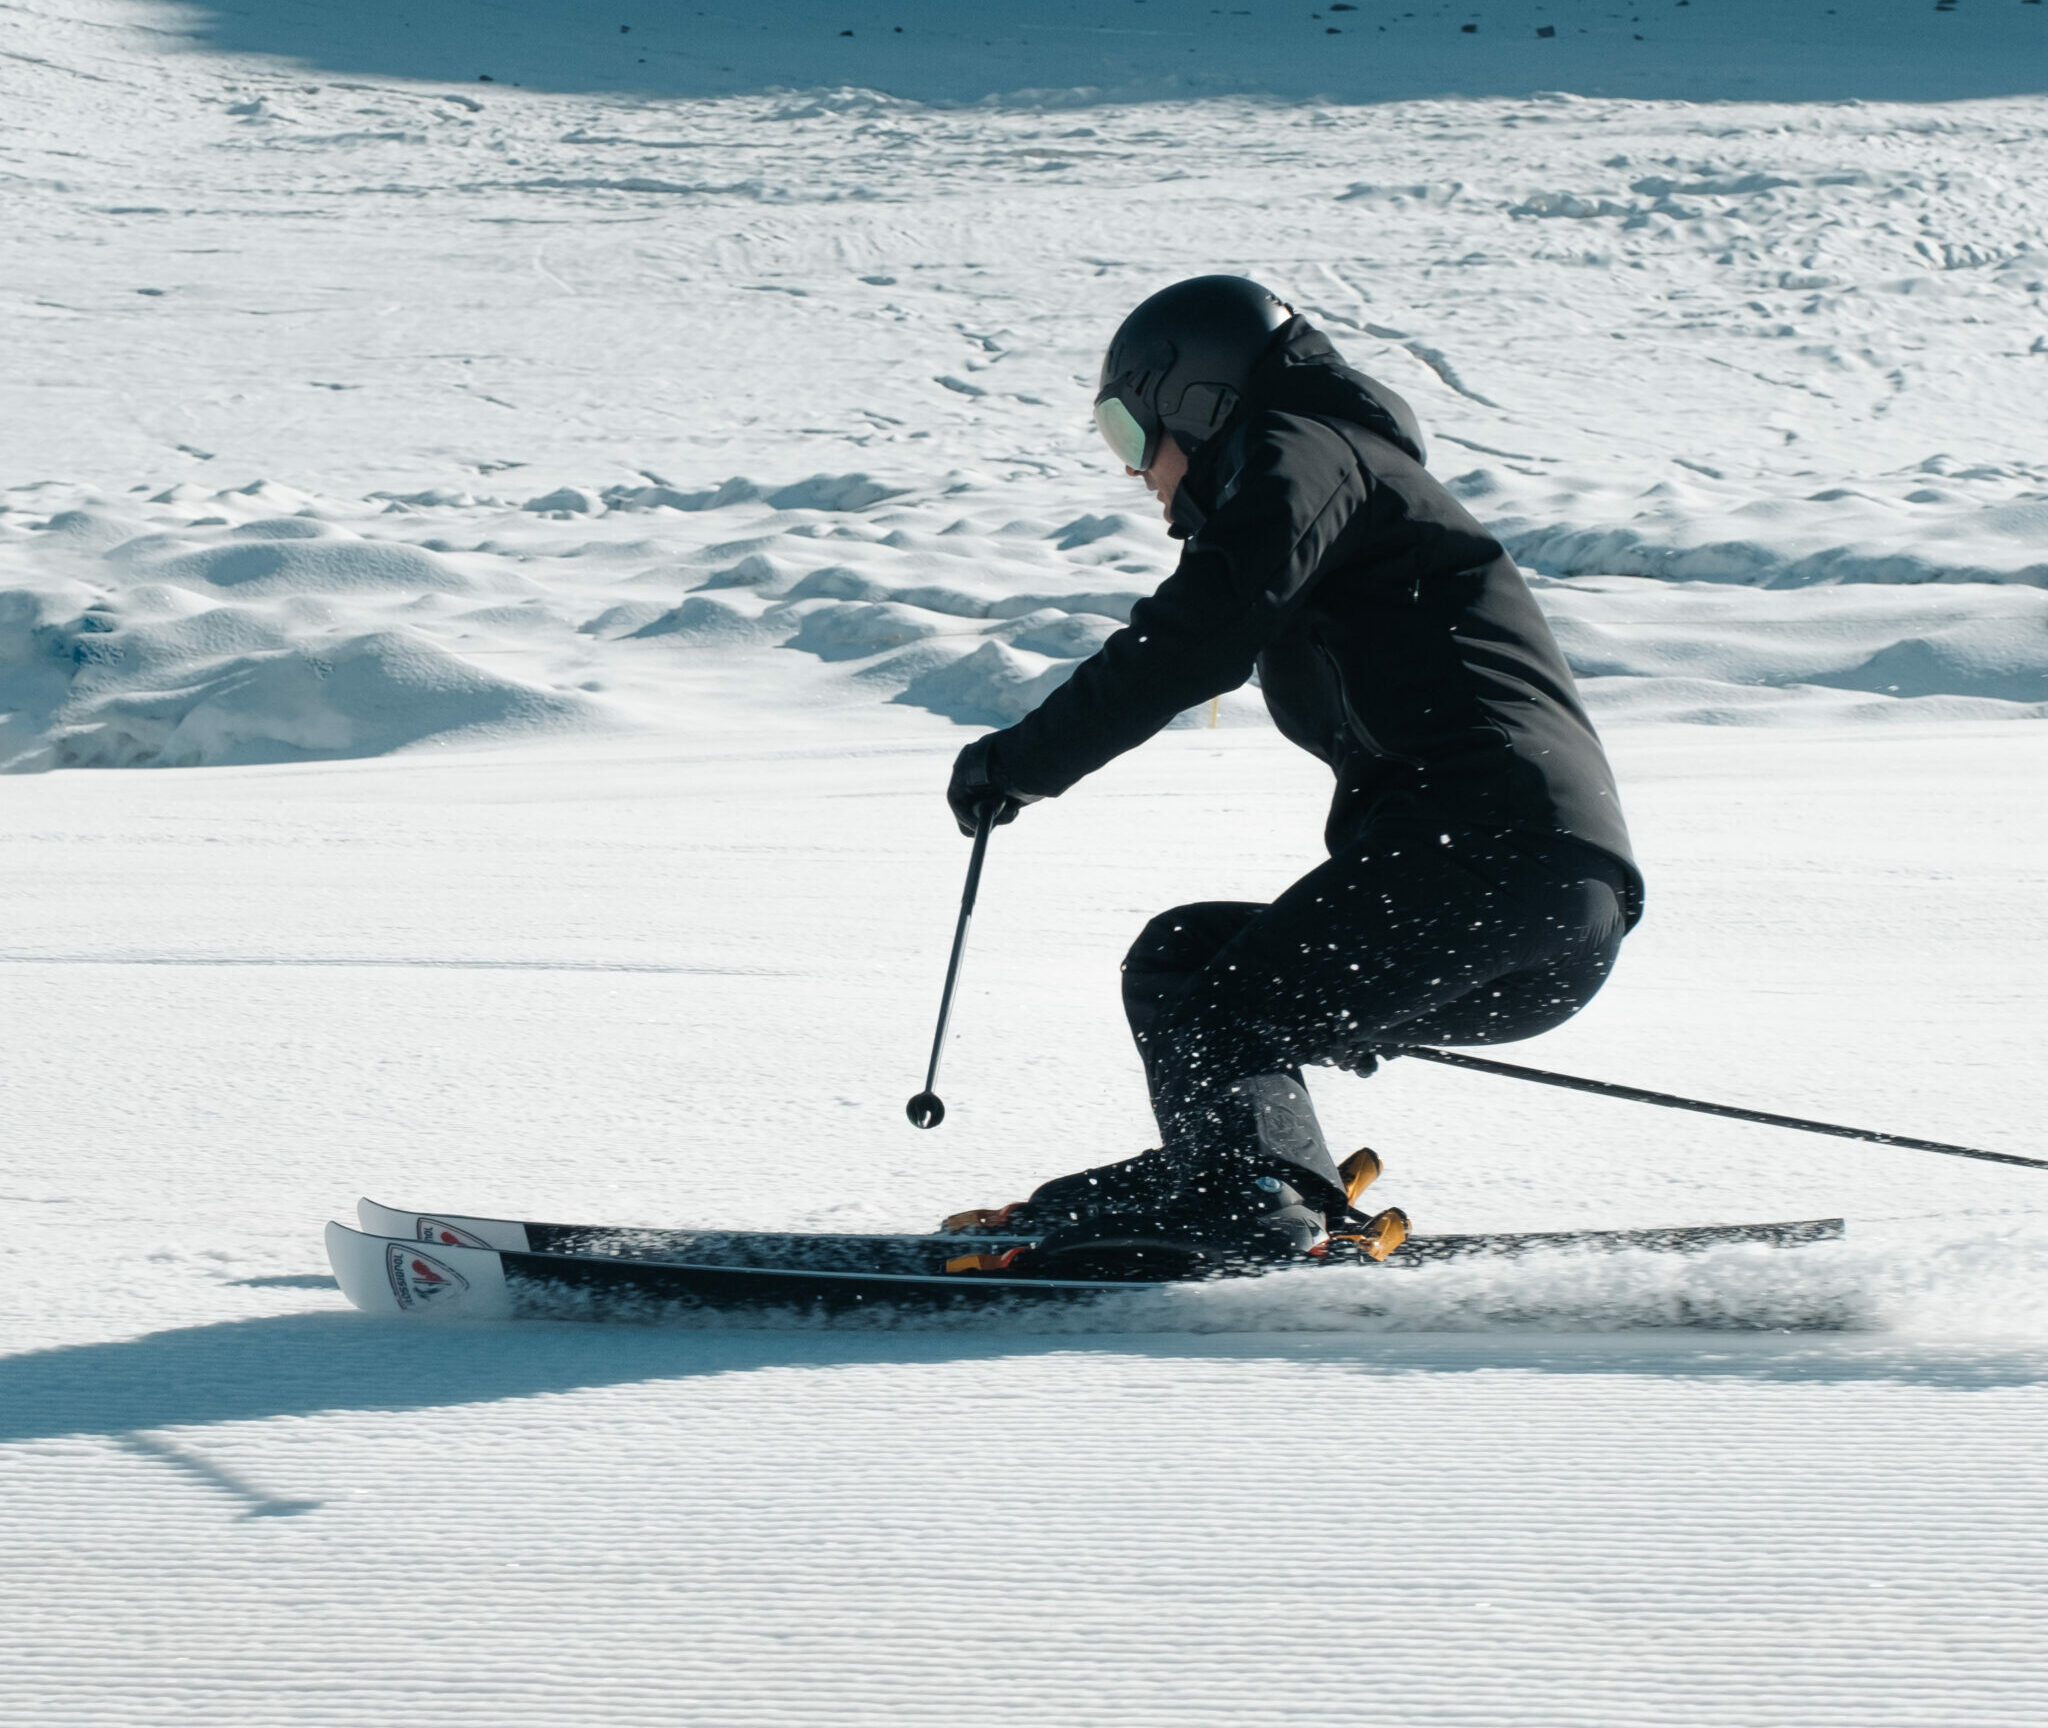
pixel 1480 878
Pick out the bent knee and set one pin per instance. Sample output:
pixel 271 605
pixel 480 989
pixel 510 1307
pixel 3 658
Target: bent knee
pixel 1187 938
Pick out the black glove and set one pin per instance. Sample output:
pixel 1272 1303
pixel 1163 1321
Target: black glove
pixel 1364 1063
pixel 977 787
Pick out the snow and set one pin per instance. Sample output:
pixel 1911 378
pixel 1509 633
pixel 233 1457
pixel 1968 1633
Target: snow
pixel 517 557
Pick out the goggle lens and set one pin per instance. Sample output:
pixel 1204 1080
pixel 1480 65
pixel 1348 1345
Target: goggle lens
pixel 1120 430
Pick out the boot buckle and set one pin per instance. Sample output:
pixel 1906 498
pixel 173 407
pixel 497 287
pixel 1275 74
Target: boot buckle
pixel 1360 1171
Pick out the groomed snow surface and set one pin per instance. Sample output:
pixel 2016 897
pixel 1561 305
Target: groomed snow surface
pixel 517 557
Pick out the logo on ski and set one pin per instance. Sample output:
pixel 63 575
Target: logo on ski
pixel 446 1235
pixel 419 1280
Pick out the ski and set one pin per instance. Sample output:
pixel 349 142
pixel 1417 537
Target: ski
pixel 496 1268
pixel 761 1248
pixel 923 1254
pixel 385 1275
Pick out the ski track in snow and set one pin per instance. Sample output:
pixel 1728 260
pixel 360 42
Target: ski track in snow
pixel 1745 1488
pixel 703 450
pixel 441 1556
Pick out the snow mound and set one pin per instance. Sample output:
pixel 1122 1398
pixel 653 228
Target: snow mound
pixel 836 582
pixel 752 571
pixel 1681 647
pixel 828 492
pixel 263 622
pixel 1060 635
pixel 228 685
pixel 992 686
pixel 194 639
pixel 1936 522
pixel 849 631
pixel 701 619
pixel 301 566
pixel 565 501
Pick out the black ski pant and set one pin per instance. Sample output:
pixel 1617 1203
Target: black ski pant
pixel 1418 937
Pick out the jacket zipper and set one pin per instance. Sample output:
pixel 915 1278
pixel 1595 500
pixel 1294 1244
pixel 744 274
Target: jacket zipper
pixel 1357 727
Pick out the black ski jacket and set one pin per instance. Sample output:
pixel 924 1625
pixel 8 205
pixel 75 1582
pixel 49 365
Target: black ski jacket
pixel 1392 635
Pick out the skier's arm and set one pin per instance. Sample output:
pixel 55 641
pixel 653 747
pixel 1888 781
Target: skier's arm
pixel 1241 577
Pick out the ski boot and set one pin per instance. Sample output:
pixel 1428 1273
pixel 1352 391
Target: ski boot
pixel 1152 1219
pixel 1127 1184
pixel 1264 1120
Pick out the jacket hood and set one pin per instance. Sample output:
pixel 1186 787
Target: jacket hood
pixel 1298 373
pixel 1301 373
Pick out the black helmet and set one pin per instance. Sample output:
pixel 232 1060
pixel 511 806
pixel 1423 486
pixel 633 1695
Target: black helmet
pixel 1179 363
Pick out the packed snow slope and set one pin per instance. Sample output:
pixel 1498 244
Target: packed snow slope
pixel 516 558
pixel 693 981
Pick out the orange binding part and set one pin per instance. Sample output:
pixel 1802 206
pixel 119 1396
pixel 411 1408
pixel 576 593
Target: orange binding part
pixel 984 1262
pixel 1360 1171
pixel 1381 1236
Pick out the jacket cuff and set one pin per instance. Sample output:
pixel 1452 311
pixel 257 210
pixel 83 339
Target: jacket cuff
pixel 1009 765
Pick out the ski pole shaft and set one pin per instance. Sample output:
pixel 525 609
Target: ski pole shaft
pixel 927 1109
pixel 1672 1101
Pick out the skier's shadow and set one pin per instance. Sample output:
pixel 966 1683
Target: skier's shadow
pixel 306 1364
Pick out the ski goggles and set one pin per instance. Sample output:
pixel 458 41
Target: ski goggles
pixel 1125 434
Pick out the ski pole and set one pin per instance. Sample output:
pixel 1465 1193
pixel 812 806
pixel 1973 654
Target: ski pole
pixel 1672 1101
pixel 927 1109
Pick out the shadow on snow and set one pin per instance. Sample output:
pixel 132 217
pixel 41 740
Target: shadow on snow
pixel 939 51
pixel 305 1364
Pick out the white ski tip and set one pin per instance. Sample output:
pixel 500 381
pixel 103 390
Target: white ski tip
pixel 381 1275
pixel 446 1229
